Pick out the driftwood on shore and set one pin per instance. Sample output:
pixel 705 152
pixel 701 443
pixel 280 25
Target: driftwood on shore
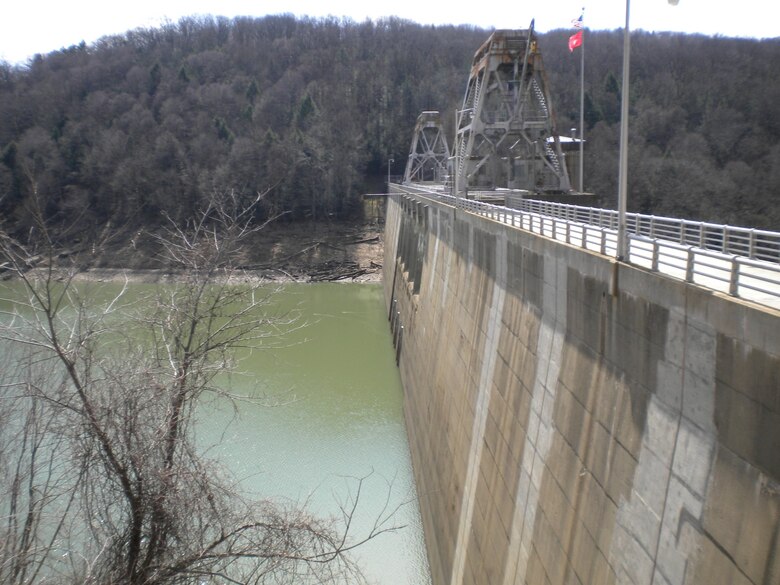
pixel 303 265
pixel 291 253
pixel 366 241
pixel 333 270
pixel 309 248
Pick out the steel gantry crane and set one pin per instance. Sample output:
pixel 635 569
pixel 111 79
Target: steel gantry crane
pixel 430 152
pixel 506 135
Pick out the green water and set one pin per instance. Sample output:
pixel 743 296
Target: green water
pixel 337 416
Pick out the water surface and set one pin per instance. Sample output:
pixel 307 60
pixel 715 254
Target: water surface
pixel 338 417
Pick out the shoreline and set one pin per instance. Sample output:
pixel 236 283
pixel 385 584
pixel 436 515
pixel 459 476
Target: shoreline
pixel 159 275
pixel 289 253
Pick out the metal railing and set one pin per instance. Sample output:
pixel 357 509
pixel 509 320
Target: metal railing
pixel 741 262
pixel 750 243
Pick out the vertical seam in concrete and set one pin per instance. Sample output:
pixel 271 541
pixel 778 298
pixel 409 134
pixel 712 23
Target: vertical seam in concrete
pixel 449 250
pixel 674 450
pixel 395 223
pixel 695 457
pixel 550 346
pixel 432 271
pixel 480 415
pixel 648 539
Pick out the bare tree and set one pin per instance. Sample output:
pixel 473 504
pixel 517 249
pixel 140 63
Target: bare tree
pixel 107 483
pixel 33 476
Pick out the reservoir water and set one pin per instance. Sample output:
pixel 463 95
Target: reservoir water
pixel 325 411
pixel 332 414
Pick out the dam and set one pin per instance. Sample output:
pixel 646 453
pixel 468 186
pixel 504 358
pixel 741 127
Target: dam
pixel 591 398
pixel 575 419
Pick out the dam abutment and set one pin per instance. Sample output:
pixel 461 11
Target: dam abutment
pixel 574 420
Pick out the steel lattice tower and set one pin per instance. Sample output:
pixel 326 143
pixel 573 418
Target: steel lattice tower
pixel 429 152
pixel 506 134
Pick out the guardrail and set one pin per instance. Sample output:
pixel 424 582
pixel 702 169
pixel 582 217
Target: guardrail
pixel 750 243
pixel 737 261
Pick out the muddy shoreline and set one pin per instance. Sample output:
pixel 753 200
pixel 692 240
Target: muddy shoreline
pixel 160 275
pixel 292 252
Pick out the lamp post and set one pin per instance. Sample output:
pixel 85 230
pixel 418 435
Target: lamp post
pixel 582 114
pixel 390 161
pixel 622 243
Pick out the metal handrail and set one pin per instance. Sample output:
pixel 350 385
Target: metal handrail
pixel 747 242
pixel 740 262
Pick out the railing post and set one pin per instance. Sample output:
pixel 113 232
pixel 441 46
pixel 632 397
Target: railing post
pixel 656 252
pixel 689 264
pixel 603 241
pixel 734 276
pixel 752 244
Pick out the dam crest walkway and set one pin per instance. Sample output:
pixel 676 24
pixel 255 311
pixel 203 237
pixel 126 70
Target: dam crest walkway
pixel 741 262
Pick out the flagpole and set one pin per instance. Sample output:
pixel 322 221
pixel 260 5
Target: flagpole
pixel 582 110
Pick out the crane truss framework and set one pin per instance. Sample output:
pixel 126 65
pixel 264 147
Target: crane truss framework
pixel 506 134
pixel 429 152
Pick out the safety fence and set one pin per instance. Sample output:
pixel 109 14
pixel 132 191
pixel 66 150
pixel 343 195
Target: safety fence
pixel 750 243
pixel 741 262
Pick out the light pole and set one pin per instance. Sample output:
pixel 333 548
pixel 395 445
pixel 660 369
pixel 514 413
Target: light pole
pixel 582 113
pixel 623 164
pixel 390 161
pixel 622 243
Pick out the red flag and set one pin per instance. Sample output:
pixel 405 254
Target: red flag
pixel 575 40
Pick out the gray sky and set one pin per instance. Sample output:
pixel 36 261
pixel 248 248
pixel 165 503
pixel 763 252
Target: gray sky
pixel 39 26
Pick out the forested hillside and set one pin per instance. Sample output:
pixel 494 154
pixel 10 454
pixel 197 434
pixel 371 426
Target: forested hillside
pixel 153 121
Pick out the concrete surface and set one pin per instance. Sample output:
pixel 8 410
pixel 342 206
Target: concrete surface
pixel 577 421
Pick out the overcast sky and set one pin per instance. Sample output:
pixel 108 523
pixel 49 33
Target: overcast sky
pixel 40 26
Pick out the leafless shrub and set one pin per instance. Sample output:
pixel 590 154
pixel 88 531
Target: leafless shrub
pixel 103 480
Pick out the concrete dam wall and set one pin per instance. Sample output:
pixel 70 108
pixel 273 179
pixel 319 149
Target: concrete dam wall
pixel 577 421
